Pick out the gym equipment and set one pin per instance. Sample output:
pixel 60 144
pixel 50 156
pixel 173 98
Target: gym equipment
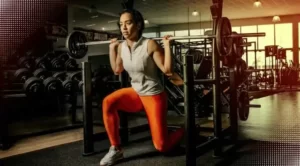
pixel 26 62
pixel 77 43
pixel 77 76
pixel 52 85
pixel 33 86
pixel 69 63
pixel 41 62
pixel 67 84
pixel 238 46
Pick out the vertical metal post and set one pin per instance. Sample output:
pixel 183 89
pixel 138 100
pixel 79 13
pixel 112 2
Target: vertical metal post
pixel 233 105
pixel 217 101
pixel 88 140
pixel 190 142
pixel 123 115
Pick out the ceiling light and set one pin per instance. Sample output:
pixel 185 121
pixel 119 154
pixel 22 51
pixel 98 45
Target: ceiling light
pixel 257 3
pixel 90 25
pixel 195 13
pixel 74 21
pixel 276 19
pixel 103 28
pixel 95 16
pixel 146 21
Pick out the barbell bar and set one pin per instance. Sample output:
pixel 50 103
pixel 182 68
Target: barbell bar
pixel 182 38
pixel 77 42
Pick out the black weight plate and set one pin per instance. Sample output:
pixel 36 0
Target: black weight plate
pixel 71 64
pixel 76 75
pixel 26 62
pixel 60 75
pixel 41 73
pixel 56 63
pixel 33 86
pixel 223 41
pixel 52 85
pixel 64 56
pixel 68 86
pixel 73 39
pixel 20 73
pixel 80 85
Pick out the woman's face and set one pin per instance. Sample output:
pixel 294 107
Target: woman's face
pixel 128 28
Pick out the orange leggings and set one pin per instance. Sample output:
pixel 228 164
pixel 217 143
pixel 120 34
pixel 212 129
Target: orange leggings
pixel 128 100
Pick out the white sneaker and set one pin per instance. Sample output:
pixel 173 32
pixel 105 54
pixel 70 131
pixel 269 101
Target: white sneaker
pixel 112 157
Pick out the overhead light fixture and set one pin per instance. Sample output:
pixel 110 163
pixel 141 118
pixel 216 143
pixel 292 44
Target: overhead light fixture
pixel 90 25
pixel 103 28
pixel 95 16
pixel 276 19
pixel 146 21
pixel 257 3
pixel 74 21
pixel 195 13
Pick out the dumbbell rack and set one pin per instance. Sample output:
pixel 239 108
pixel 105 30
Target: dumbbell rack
pixel 14 91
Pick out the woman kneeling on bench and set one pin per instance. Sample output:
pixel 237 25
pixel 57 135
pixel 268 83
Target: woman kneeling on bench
pixel 141 58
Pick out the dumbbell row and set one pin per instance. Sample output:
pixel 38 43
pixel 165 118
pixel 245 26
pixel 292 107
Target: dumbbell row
pixel 41 81
pixel 49 61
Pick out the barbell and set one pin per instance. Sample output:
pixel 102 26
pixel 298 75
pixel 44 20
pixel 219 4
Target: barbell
pixel 77 42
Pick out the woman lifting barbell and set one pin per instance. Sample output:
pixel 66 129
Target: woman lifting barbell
pixel 141 58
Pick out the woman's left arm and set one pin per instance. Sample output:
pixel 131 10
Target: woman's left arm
pixel 163 59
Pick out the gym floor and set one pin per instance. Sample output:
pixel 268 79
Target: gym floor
pixel 271 129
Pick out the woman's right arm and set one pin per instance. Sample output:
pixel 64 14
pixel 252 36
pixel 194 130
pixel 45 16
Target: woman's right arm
pixel 115 59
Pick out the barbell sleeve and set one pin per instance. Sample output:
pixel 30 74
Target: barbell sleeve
pixel 261 34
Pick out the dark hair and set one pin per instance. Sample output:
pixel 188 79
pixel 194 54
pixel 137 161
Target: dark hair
pixel 137 18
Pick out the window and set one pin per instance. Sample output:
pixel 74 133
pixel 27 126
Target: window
pixel 196 32
pixel 284 35
pixel 269 38
pixel 149 35
pixel 182 33
pixel 289 56
pixel 162 34
pixel 250 29
pixel 236 29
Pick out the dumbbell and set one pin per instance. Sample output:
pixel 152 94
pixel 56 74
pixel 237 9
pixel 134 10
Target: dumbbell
pixel 70 64
pixel 32 85
pixel 67 84
pixel 54 61
pixel 26 62
pixel 42 62
pixel 77 77
pixel 51 84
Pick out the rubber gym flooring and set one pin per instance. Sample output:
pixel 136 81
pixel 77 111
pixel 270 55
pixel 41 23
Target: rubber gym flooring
pixel 271 137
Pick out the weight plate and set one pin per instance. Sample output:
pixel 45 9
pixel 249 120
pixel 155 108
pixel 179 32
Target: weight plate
pixel 21 73
pixel 75 76
pixel 223 41
pixel 60 75
pixel 33 86
pixel 64 56
pixel 75 50
pixel 80 86
pixel 26 62
pixel 56 63
pixel 240 71
pixel 68 86
pixel 41 73
pixel 41 62
pixel 52 85
pixel 243 105
pixel 71 64
pixel 237 48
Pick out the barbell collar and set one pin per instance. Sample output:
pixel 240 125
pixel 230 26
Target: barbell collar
pixel 261 34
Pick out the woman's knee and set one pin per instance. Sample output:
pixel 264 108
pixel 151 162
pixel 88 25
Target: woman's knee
pixel 107 103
